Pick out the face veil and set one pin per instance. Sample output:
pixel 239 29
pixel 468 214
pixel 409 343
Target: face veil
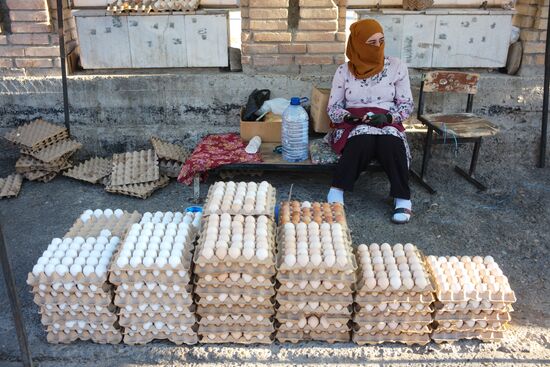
pixel 364 60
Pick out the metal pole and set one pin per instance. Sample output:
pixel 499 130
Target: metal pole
pixel 544 130
pixel 61 34
pixel 14 302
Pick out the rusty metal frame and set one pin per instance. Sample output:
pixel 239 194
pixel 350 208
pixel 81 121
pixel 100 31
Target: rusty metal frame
pixel 544 127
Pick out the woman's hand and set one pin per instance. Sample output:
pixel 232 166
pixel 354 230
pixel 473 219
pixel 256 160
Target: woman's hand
pixel 378 119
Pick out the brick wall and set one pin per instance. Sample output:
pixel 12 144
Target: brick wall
pixel 532 18
pixel 30 45
pixel 293 35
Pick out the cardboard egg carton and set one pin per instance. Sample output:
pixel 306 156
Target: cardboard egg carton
pixel 54 151
pixel 146 294
pixel 42 176
pixel 389 313
pixel 167 276
pixel 271 202
pixel 367 297
pixel 146 310
pixel 314 308
pixel 315 297
pixel 237 319
pixel 27 163
pixel 43 279
pixel 81 325
pixel 93 226
pixel 205 310
pixel 127 320
pixel 293 319
pixel 253 282
pixel 236 337
pixel 143 337
pixel 255 269
pixel 161 326
pixel 162 274
pixel 298 336
pixel 170 169
pixel 73 286
pixel 139 190
pixel 295 212
pixel 169 151
pixel 360 317
pixel 134 168
pixel 10 186
pixel 177 299
pixel 315 286
pixel 245 328
pixel 234 300
pixel 392 327
pixel 61 337
pixel 484 336
pixel 93 170
pixel 473 306
pixel 347 277
pixel 154 287
pixel 37 134
pixel 488 273
pixel 314 293
pixel 227 292
pixel 471 325
pixel 65 294
pixel 391 307
pixel 76 308
pixel 379 338
pixel 72 299
pixel 289 326
pixel 317 272
pixel 472 315
pixel 51 318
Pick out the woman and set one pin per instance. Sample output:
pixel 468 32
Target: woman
pixel 370 97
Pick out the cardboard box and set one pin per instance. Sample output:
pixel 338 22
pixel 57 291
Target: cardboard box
pixel 269 129
pixel 319 117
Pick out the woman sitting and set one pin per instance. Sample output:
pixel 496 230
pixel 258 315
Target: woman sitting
pixel 370 97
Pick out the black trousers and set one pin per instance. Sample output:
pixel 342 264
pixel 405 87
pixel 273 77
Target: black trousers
pixel 360 150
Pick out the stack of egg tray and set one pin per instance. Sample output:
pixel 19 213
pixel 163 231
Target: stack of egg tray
pixel 316 278
pixel 295 212
pixel 474 298
pixel 92 222
pixel 234 277
pixel 70 285
pixel 394 297
pixel 152 272
pixel 246 198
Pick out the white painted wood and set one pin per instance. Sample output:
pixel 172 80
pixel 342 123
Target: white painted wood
pixel 157 41
pixel 90 3
pixel 219 3
pixel 471 40
pixel 393 31
pixel 104 42
pixel 207 40
pixel 417 45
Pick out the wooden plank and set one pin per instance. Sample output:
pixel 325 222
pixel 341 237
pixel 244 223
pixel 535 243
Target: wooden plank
pixel 207 40
pixel 157 41
pixel 463 125
pixel 98 37
pixel 450 81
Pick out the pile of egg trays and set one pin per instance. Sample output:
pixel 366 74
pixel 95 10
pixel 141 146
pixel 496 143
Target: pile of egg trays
pixel 316 277
pixel 235 265
pixel 70 285
pixel 152 272
pixel 394 296
pixel 474 298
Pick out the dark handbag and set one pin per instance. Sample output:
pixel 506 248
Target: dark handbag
pixel 254 103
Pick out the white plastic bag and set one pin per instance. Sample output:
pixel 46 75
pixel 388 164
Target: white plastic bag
pixel 276 105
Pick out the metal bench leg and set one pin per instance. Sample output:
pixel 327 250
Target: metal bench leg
pixel 470 175
pixel 14 302
pixel 196 189
pixel 425 159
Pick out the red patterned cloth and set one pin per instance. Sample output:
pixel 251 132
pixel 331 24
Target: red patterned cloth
pixel 214 151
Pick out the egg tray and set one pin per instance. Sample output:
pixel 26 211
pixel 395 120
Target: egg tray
pixel 51 318
pixel 241 283
pixel 27 163
pixel 146 294
pixel 42 176
pixel 245 328
pixel 315 293
pixel 297 216
pixel 484 336
pixel 77 308
pixel 134 167
pixel 148 311
pixel 93 227
pixel 412 297
pixel 67 294
pixel 451 326
pixel 269 205
pixel 295 318
pixel 382 327
pixel 280 239
pixel 37 134
pixel 319 297
pixel 254 269
pixel 395 307
pixel 320 272
pixel 233 300
pixel 324 308
pixel 236 338
pixel 79 326
pixel 178 299
pixel 162 274
pixel 481 316
pixel 177 277
pixel 154 287
pixel 284 328
pixel 241 320
pixel 92 170
pixel 112 337
pixel 10 186
pixel 161 326
pixel 98 311
pixel 217 291
pixel 483 306
pixel 169 151
pixel 139 190
pixel 170 169
pixel 363 289
pixel 98 300
pixel 340 288
pixel 54 151
pixel 147 337
pixel 80 278
pixel 292 276
pixel 72 287
pixel 299 336
pixel 360 317
pixel 380 338
pixel 230 309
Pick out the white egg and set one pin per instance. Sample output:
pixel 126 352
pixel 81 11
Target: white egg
pixel 207 252
pixel 290 260
pixel 221 252
pixel 161 261
pixel 37 269
pixel 234 252
pixel 88 269
pixel 49 269
pixel 135 262
pixel 383 283
pixel 98 213
pixel 395 282
pixel 174 261
pixel 148 261
pixel 100 270
pixel 262 254
pixel 248 252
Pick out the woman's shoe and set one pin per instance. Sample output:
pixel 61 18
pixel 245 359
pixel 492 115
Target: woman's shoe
pixel 401 215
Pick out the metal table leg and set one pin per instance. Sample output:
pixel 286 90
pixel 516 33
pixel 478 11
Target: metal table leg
pixel 196 189
pixel 470 175
pixel 14 303
pixel 425 159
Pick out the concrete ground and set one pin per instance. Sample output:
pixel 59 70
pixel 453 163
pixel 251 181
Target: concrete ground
pixel 510 222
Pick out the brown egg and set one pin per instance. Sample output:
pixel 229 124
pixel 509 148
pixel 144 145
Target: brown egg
pixel 306 220
pixel 295 218
pixel 315 205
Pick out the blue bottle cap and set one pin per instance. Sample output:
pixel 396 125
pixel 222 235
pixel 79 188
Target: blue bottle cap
pixel 295 101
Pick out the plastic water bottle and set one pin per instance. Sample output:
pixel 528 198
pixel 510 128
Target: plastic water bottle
pixel 295 132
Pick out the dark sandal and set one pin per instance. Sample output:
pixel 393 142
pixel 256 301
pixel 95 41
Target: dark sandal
pixel 401 211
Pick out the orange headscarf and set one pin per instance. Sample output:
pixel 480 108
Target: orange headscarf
pixel 364 60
